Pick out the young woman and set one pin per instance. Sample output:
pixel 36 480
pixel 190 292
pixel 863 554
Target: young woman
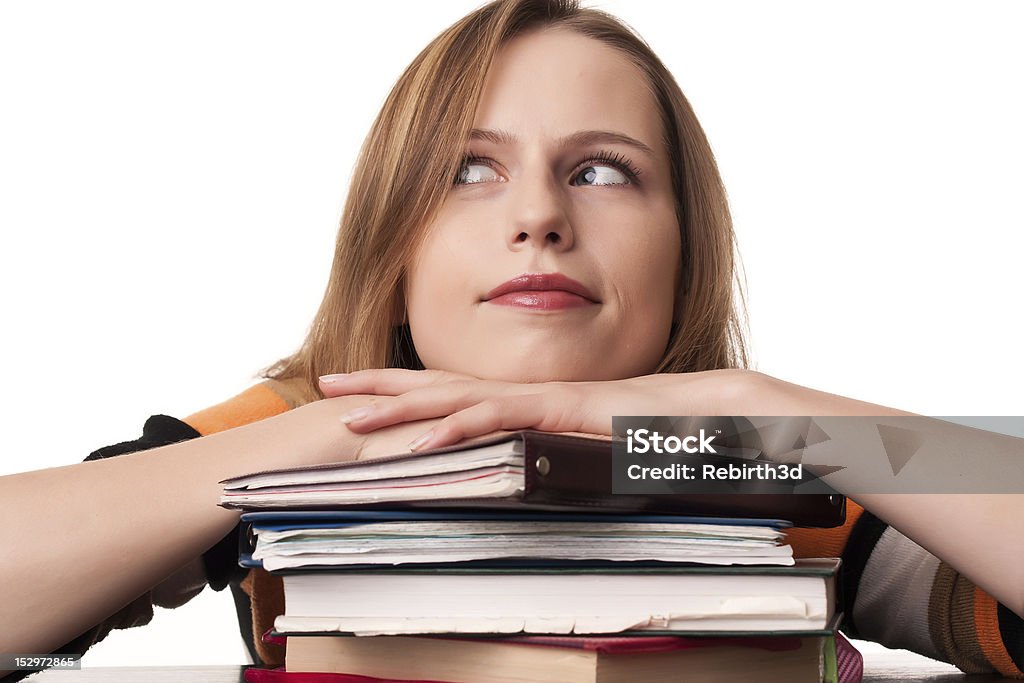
pixel 523 245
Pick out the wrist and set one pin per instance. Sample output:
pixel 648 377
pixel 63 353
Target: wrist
pixel 330 439
pixel 739 392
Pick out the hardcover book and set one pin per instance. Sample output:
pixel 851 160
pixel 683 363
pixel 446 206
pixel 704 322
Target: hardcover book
pixel 674 599
pixel 536 659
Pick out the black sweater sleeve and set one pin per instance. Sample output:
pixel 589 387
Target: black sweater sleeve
pixel 219 563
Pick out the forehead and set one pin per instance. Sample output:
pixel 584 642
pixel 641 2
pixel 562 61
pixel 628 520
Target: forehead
pixel 555 81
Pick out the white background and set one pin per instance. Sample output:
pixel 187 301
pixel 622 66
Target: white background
pixel 172 175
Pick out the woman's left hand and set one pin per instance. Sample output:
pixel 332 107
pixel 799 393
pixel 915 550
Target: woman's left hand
pixel 473 407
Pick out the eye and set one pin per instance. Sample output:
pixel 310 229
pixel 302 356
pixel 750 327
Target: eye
pixel 476 170
pixel 600 175
pixel 607 169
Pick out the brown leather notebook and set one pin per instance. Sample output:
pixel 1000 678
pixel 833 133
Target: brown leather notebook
pixel 524 470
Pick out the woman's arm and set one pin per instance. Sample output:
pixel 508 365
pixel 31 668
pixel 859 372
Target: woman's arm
pixel 82 541
pixel 981 534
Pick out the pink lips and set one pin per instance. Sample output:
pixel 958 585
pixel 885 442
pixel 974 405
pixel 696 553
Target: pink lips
pixel 542 291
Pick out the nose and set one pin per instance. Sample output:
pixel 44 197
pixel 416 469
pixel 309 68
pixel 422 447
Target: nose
pixel 539 214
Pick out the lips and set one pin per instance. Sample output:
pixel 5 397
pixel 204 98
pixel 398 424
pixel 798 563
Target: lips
pixel 545 291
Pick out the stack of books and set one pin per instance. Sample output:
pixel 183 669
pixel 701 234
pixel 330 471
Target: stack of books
pixel 509 560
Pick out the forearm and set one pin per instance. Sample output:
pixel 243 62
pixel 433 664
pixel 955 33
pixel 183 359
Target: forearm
pixel 981 534
pixel 82 541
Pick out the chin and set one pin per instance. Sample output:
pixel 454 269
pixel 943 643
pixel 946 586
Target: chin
pixel 532 363
pixel 535 372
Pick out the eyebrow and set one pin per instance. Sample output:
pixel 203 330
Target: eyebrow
pixel 580 138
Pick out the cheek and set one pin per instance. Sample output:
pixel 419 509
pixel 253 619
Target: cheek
pixel 643 262
pixel 425 310
pixel 440 288
pixel 649 299
pixel 431 280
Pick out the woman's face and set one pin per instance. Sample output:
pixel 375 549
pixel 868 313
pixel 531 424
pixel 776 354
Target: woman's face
pixel 566 177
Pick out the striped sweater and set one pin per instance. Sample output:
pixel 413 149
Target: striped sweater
pixel 894 592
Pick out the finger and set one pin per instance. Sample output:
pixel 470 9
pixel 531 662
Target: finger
pixel 418 404
pixel 382 382
pixel 547 412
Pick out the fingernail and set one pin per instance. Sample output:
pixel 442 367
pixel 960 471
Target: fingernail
pixel 327 379
pixel 421 440
pixel 357 414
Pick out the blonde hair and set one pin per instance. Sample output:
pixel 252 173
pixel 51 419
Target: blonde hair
pixel 413 151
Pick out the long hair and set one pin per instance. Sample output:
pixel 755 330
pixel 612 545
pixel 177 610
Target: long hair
pixel 405 169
